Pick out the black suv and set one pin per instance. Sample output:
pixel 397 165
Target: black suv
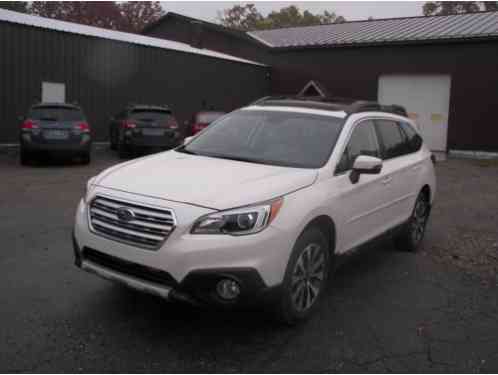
pixel 55 128
pixel 142 127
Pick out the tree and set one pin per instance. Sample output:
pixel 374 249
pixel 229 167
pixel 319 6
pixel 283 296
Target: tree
pixel 241 17
pixel 16 6
pixel 138 14
pixel 247 17
pixel 130 16
pixel 437 8
pixel 104 14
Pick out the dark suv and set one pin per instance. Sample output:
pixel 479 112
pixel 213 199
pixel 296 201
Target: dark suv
pixel 142 127
pixel 55 128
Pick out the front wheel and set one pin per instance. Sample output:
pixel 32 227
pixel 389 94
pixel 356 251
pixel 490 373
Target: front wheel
pixel 412 233
pixel 305 277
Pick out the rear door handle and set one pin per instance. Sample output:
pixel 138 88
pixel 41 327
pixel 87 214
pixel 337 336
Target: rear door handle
pixel 387 180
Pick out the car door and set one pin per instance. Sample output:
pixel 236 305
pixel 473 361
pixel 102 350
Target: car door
pixel 400 167
pixel 360 206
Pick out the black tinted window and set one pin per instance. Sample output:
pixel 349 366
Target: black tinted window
pixel 279 138
pixel 414 139
pixel 148 115
pixel 56 114
pixel 363 141
pixel 393 140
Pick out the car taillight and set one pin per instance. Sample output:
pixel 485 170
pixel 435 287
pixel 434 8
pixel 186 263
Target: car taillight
pixel 172 124
pixel 83 127
pixel 129 125
pixel 29 124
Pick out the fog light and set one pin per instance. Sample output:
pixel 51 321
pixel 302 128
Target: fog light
pixel 228 289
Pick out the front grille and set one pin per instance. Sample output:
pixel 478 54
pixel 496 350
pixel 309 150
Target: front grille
pixel 148 227
pixel 125 267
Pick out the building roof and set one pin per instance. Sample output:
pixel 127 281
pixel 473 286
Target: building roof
pixel 470 26
pixel 209 25
pixel 97 32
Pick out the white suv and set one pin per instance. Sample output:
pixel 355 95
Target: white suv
pixel 259 205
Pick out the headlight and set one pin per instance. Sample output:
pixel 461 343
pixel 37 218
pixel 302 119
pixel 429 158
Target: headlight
pixel 239 221
pixel 88 188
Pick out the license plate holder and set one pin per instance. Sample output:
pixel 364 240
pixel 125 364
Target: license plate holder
pixel 153 132
pixel 56 134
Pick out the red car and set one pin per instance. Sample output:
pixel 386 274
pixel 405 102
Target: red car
pixel 202 119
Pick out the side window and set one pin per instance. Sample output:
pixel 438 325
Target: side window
pixel 363 141
pixel 393 140
pixel 414 139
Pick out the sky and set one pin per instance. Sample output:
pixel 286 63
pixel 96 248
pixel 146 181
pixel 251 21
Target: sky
pixel 208 10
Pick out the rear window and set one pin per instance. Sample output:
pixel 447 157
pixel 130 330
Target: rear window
pixel 56 114
pixel 208 117
pixel 148 115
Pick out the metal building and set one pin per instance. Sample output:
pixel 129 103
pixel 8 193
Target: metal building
pixel 104 70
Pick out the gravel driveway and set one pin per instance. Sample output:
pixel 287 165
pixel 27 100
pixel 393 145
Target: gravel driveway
pixel 435 311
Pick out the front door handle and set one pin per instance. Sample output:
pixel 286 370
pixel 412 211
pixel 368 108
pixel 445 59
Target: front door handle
pixel 387 180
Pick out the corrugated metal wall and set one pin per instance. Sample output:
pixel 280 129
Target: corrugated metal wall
pixel 104 75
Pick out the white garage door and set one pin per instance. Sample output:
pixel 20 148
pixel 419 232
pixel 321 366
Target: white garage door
pixel 426 99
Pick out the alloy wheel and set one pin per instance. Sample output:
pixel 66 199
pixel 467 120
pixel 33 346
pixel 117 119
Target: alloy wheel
pixel 307 277
pixel 419 219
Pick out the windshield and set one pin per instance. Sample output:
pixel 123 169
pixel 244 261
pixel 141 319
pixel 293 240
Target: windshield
pixel 270 137
pixel 208 117
pixel 56 114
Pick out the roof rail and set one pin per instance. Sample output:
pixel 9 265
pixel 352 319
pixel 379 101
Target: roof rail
pixel 347 105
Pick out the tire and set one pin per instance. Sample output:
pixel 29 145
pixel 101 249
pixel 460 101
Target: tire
pixel 412 233
pixel 112 142
pixel 86 158
pixel 123 151
pixel 302 288
pixel 25 157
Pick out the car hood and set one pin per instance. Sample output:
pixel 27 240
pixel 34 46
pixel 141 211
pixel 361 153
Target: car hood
pixel 204 181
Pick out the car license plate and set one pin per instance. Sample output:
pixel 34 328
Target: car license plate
pixel 154 132
pixel 56 134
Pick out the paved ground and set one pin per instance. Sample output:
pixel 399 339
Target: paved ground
pixel 435 311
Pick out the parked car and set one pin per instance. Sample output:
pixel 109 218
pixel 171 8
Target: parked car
pixel 202 119
pixel 55 128
pixel 143 127
pixel 259 206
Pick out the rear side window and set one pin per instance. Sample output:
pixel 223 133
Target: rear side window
pixel 392 138
pixel 414 140
pixel 55 113
pixel 363 141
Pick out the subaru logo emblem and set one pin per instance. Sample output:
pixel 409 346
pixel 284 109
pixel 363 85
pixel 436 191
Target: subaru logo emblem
pixel 125 214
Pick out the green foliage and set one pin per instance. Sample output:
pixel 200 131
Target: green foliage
pixel 130 16
pixel 436 8
pixel 247 17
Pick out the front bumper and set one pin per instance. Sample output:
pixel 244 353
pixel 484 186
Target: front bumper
pixel 193 263
pixel 197 288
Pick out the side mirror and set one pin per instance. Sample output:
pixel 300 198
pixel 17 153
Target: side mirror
pixel 365 165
